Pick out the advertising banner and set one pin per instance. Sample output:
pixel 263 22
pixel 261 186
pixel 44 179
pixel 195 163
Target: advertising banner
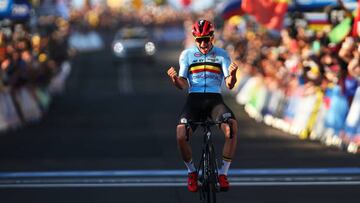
pixel 308 5
pixel 15 9
pixel 20 10
pixel 5 8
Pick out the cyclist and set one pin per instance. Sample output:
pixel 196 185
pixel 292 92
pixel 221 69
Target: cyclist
pixel 202 70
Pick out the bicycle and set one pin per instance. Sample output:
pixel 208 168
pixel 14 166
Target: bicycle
pixel 208 167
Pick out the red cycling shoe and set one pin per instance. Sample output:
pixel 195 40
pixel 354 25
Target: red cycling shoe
pixel 224 183
pixel 193 181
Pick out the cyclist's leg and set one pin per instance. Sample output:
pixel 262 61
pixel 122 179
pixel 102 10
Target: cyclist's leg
pixel 230 142
pixel 222 113
pixel 182 142
pixel 183 132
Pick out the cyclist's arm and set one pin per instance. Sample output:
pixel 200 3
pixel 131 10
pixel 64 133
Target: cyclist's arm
pixel 179 82
pixel 229 71
pixel 231 79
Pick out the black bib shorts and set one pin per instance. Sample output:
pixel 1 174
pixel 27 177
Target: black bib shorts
pixel 201 106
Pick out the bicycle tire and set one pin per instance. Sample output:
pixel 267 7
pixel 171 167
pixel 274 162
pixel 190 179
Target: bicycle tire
pixel 210 188
pixel 213 174
pixel 202 173
pixel 211 193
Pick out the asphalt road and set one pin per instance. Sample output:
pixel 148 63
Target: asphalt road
pixel 111 138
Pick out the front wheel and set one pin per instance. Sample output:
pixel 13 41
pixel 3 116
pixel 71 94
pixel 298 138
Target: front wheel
pixel 211 193
pixel 210 188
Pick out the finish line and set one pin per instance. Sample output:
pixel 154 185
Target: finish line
pixel 157 173
pixel 177 178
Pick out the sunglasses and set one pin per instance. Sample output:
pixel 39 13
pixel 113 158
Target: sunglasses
pixel 202 39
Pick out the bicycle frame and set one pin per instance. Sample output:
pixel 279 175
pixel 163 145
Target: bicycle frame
pixel 207 170
pixel 208 167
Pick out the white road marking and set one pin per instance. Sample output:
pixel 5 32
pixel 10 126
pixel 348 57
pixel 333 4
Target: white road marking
pixel 177 178
pixel 125 82
pixel 177 172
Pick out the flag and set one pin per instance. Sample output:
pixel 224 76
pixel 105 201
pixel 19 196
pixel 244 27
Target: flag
pixel 137 4
pixel 231 8
pixel 185 3
pixel 356 24
pixel 340 31
pixel 269 13
pixel 317 21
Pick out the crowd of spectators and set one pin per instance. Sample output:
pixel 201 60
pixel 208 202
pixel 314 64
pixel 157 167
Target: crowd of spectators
pixel 299 81
pixel 108 19
pixel 31 58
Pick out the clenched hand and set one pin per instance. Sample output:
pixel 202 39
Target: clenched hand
pixel 172 73
pixel 231 80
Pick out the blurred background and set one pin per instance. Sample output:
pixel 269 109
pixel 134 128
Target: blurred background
pixel 86 108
